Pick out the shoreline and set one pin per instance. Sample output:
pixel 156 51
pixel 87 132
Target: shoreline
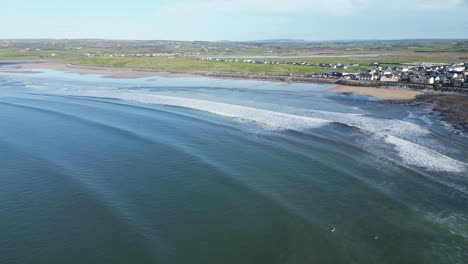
pixel 449 102
pixel 453 108
pixel 115 73
pixel 380 93
pixel 131 73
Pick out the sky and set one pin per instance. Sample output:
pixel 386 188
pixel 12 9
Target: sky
pixel 213 20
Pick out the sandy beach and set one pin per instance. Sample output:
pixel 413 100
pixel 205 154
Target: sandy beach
pixel 126 73
pixel 133 73
pixel 22 71
pixel 381 93
pixel 122 73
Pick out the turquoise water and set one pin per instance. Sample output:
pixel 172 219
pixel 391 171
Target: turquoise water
pixel 197 170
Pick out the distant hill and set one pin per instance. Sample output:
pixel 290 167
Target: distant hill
pixel 282 41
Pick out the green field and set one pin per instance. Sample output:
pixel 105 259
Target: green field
pixel 393 53
pixel 195 64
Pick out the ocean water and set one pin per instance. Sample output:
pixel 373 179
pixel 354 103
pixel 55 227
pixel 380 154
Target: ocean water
pixel 198 170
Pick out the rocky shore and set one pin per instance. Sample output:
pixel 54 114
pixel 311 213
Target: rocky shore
pixel 453 108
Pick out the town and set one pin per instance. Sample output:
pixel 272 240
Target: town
pixel 416 63
pixel 436 74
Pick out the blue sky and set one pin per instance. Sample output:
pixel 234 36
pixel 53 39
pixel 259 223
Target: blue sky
pixel 235 20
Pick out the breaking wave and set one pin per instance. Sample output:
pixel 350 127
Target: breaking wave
pixel 420 156
pixel 394 132
pixel 397 133
pixel 267 119
pixel 374 124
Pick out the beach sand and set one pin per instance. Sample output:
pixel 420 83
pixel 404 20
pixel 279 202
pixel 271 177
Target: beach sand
pixel 381 93
pixel 21 71
pixel 125 73
pixel 107 72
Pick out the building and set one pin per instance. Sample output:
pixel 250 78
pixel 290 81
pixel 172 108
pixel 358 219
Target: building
pixel 389 76
pixel 366 77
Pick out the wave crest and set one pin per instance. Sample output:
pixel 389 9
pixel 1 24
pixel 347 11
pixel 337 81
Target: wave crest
pixel 420 156
pixel 392 131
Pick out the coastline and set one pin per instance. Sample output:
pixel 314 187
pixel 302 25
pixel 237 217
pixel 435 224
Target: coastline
pixel 116 73
pixel 131 73
pixel 340 86
pixel 380 93
pixel 453 108
pixel 450 103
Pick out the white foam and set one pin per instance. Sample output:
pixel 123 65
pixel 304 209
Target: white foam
pixel 399 132
pixel 381 126
pixel 267 119
pixel 420 156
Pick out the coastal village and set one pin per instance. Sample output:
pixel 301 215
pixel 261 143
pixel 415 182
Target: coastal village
pixel 436 74
pixel 385 66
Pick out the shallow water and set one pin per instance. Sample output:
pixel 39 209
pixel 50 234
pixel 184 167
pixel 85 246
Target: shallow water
pixel 198 170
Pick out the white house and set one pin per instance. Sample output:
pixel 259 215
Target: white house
pixel 388 76
pixel 458 69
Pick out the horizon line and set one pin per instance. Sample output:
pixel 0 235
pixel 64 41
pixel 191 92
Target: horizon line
pixel 245 41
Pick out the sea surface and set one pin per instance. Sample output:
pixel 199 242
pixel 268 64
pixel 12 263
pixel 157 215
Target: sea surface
pixel 199 170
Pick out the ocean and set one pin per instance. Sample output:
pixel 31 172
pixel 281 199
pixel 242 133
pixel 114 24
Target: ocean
pixel 201 170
